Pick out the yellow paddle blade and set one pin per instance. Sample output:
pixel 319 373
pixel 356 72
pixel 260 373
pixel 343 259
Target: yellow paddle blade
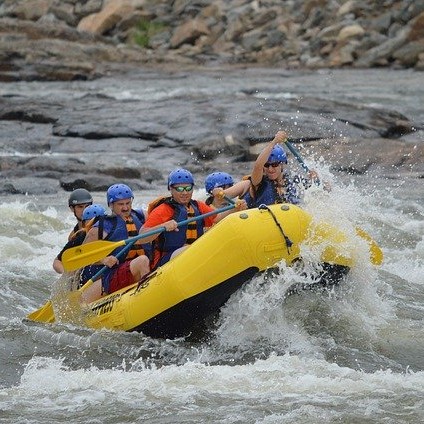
pixel 333 242
pixel 89 253
pixel 376 254
pixel 44 314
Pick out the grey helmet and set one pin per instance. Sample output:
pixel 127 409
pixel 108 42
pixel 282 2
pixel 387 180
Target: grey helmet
pixel 79 197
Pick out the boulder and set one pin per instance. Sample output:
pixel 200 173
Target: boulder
pixel 103 21
pixel 188 33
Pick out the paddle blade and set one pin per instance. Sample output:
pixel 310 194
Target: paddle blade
pixel 44 314
pixel 376 254
pixel 68 307
pixel 89 253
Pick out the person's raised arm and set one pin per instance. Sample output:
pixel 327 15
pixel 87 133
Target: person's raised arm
pixel 258 167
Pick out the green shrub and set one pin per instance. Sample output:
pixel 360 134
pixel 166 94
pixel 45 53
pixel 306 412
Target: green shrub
pixel 144 31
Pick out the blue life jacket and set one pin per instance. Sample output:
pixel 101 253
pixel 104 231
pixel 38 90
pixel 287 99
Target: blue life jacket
pixel 169 241
pixel 267 194
pixel 116 230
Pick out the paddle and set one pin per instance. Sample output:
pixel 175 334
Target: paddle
pixel 46 313
pixel 299 158
pixel 376 254
pixel 43 314
pixel 80 256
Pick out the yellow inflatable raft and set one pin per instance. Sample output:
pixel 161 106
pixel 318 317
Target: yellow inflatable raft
pixel 173 300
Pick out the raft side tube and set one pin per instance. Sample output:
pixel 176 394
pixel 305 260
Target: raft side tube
pixel 241 241
pixel 200 280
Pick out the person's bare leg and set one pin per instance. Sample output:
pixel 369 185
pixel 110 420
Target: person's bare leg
pixel 93 293
pixel 139 267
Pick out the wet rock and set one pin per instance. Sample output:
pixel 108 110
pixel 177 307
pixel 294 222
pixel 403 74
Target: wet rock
pixel 359 156
pixel 92 134
pixel 106 19
pixel 93 182
pixel 25 112
pixel 188 33
pixel 31 186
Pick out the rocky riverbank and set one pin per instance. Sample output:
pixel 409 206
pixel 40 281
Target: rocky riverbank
pixel 80 39
pixel 94 91
pixel 138 126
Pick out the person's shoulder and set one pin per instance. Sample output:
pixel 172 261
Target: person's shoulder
pixel 203 206
pixel 77 239
pixel 74 231
pixel 156 203
pixel 80 237
pixel 163 209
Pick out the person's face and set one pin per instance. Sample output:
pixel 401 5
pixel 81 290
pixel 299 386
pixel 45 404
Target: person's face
pixel 79 209
pixel 122 208
pixel 273 170
pixel 182 193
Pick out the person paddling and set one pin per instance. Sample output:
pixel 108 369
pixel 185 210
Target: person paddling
pixel 90 216
pixel 178 207
pixel 123 223
pixel 269 182
pixel 78 200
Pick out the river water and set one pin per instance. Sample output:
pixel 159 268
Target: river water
pixel 354 355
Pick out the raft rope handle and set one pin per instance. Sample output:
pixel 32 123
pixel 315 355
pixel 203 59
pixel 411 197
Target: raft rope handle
pixel 289 243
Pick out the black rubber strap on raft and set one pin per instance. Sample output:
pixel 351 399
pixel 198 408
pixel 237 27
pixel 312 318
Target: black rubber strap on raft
pixel 289 243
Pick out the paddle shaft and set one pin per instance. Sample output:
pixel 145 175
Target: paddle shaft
pixel 179 224
pixel 299 158
pixel 296 154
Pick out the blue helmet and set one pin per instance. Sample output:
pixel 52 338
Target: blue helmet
pixel 277 155
pixel 93 211
pixel 118 192
pixel 179 176
pixel 217 179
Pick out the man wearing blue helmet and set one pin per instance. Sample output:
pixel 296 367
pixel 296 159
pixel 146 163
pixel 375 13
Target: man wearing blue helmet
pixel 123 223
pixel 269 183
pixel 178 207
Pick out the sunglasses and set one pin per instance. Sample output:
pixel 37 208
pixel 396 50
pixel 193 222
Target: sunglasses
pixel 274 164
pixel 180 189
